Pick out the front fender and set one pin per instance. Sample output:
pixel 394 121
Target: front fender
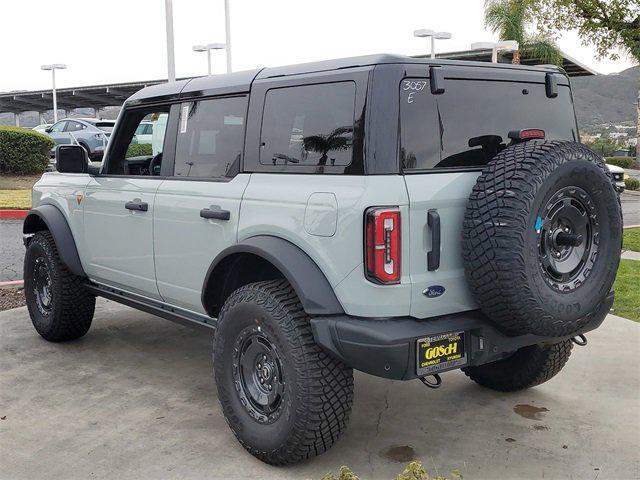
pixel 306 278
pixel 54 220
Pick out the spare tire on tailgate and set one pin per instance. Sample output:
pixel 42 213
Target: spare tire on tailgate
pixel 542 238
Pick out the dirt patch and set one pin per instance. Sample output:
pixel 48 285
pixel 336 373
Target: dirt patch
pixel 11 298
pixel 18 182
pixel 399 453
pixel 529 411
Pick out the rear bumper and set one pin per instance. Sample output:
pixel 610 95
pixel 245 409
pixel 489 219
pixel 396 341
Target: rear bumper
pixel 386 347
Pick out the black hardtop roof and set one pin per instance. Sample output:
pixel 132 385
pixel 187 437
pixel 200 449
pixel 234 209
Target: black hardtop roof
pixel 240 82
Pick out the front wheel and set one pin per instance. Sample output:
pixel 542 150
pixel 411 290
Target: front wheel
pixel 60 306
pixel 526 368
pixel 284 397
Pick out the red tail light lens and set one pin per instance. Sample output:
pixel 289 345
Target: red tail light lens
pixel 527 134
pixel 382 245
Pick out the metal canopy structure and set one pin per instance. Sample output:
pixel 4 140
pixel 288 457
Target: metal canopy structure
pixel 100 96
pixel 570 65
pixel 97 96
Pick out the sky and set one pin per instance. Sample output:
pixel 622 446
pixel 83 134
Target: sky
pixel 124 40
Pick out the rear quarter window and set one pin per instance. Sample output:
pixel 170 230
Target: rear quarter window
pixel 308 125
pixel 467 125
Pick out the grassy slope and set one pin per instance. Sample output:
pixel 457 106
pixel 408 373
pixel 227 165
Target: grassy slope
pixel 15 199
pixel 631 239
pixel 627 288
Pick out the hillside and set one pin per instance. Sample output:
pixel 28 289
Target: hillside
pixel 606 99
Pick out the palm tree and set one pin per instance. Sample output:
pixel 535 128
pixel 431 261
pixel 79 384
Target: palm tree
pixel 509 19
pixel 339 139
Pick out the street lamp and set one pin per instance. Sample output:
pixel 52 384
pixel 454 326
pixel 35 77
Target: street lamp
pixel 208 48
pixel 424 33
pixel 171 59
pixel 504 46
pixel 227 32
pixel 53 67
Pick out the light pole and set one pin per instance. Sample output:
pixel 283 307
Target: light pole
pixel 171 59
pixel 208 48
pixel 227 32
pixel 503 46
pixel 53 67
pixel 433 35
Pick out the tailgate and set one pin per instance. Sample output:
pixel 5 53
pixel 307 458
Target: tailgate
pixel 446 195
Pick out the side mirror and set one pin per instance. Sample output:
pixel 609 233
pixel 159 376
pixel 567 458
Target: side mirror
pixel 71 159
pixel 48 129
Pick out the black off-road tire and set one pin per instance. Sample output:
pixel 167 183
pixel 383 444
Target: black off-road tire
pixel 318 390
pixel 504 247
pixel 70 306
pixel 528 367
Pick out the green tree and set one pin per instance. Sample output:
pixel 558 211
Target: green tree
pixel 605 24
pixel 604 145
pixel 510 19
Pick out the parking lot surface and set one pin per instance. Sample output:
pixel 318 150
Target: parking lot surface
pixel 135 399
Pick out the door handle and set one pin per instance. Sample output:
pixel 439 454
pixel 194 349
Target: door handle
pixel 433 256
pixel 137 205
pixel 215 214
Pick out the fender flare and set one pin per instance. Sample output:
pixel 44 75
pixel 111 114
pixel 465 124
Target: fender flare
pixel 304 275
pixel 57 224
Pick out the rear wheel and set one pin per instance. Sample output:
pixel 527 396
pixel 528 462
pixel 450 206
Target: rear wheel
pixel 528 367
pixel 284 397
pixel 60 306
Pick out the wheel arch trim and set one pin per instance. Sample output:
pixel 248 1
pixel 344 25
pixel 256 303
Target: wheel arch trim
pixel 57 224
pixel 304 275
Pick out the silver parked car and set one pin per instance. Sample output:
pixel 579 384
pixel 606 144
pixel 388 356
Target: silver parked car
pixel 91 133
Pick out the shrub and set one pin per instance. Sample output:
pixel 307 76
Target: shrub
pixel 23 151
pixel 622 162
pixel 139 150
pixel 632 183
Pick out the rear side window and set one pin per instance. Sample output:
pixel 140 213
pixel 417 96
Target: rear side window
pixel 469 123
pixel 210 137
pixel 308 125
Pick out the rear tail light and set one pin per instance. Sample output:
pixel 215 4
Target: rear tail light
pixel 382 245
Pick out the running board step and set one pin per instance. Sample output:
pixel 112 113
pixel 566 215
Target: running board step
pixel 177 315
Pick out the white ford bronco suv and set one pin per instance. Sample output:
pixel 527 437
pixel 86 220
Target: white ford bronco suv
pixel 398 216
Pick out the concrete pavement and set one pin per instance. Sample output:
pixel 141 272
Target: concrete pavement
pixel 135 399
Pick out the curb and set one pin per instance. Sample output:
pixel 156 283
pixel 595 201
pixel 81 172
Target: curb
pixel 12 283
pixel 13 214
pixel 631 226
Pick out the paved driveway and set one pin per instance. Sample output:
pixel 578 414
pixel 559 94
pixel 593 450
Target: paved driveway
pixel 135 399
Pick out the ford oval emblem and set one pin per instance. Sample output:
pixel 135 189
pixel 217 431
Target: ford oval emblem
pixel 433 291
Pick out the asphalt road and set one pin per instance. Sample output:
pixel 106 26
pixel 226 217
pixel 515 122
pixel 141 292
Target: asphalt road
pixel 12 250
pixel 135 399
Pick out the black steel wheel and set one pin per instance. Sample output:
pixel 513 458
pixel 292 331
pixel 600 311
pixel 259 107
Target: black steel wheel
pixel 568 238
pixel 259 375
pixel 42 287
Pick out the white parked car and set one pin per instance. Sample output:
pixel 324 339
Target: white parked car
pixel 617 173
pixel 42 127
